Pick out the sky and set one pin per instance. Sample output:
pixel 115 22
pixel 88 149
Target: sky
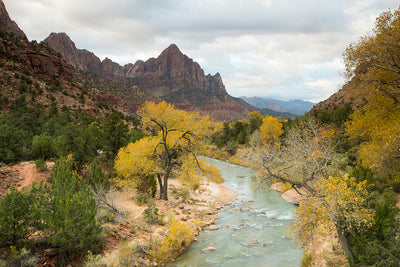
pixel 282 49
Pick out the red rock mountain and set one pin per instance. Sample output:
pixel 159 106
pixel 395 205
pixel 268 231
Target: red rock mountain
pixel 35 72
pixel 40 60
pixel 8 25
pixel 172 76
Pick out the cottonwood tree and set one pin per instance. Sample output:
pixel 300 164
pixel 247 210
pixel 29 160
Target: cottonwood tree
pixel 175 138
pixel 304 159
pixel 270 129
pixel 377 124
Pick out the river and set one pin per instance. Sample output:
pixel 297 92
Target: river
pixel 252 232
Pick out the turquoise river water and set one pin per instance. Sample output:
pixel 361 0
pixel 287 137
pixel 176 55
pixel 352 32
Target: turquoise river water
pixel 256 234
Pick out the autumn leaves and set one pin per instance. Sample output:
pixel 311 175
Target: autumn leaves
pixel 174 141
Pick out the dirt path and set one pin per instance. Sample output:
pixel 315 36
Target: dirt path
pixel 27 170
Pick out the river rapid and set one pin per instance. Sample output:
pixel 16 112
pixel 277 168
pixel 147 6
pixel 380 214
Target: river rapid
pixel 252 231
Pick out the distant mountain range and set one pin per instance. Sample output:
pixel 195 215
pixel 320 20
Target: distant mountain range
pixel 288 108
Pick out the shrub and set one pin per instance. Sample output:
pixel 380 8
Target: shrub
pixel 96 178
pixel 307 259
pixel 178 239
pixel 41 165
pixel 185 193
pixel 151 215
pixel 71 219
pixel 14 217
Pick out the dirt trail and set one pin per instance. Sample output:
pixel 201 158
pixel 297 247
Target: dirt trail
pixel 27 170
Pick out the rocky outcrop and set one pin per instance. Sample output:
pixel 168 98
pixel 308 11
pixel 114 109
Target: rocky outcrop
pixel 41 61
pixel 79 58
pixel 123 104
pixel 172 76
pixel 8 25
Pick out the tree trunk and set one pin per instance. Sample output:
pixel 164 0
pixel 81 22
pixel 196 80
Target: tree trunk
pixel 161 185
pixel 165 196
pixel 345 244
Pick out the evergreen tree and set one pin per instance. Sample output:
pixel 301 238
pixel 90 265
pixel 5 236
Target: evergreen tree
pixel 14 217
pixel 71 219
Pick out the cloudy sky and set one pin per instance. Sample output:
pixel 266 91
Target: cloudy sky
pixel 284 49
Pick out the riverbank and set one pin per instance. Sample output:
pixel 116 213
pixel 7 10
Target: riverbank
pixel 132 240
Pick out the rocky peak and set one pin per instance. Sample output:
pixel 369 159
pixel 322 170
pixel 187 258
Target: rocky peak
pixel 8 25
pixel 215 84
pixel 79 58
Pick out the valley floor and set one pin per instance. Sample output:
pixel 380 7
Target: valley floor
pixel 126 230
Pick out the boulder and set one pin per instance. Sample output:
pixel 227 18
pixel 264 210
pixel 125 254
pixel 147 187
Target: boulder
pixel 291 196
pixel 213 227
pixel 277 186
pixel 209 249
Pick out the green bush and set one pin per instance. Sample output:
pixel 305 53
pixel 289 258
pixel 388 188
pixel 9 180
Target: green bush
pixel 96 178
pixel 151 215
pixel 14 217
pixel 379 245
pixel 41 165
pixel 71 219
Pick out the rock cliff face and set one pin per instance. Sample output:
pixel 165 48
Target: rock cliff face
pixel 41 60
pixel 172 76
pixel 171 71
pixel 8 25
pixel 79 58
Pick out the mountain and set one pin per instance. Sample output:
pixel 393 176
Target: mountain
pixel 35 75
pixel 273 113
pixel 8 25
pixel 172 76
pixel 297 107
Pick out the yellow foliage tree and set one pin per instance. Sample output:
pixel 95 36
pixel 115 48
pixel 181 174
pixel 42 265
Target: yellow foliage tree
pixel 176 137
pixel 339 203
pixel 270 129
pixel 378 123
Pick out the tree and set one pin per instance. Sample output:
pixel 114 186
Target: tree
pixel 255 120
pixel 304 159
pixel 374 64
pixel 42 147
pixel 338 203
pixel 71 214
pixel 270 129
pixel 14 141
pixel 14 217
pixel 114 134
pixel 175 135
